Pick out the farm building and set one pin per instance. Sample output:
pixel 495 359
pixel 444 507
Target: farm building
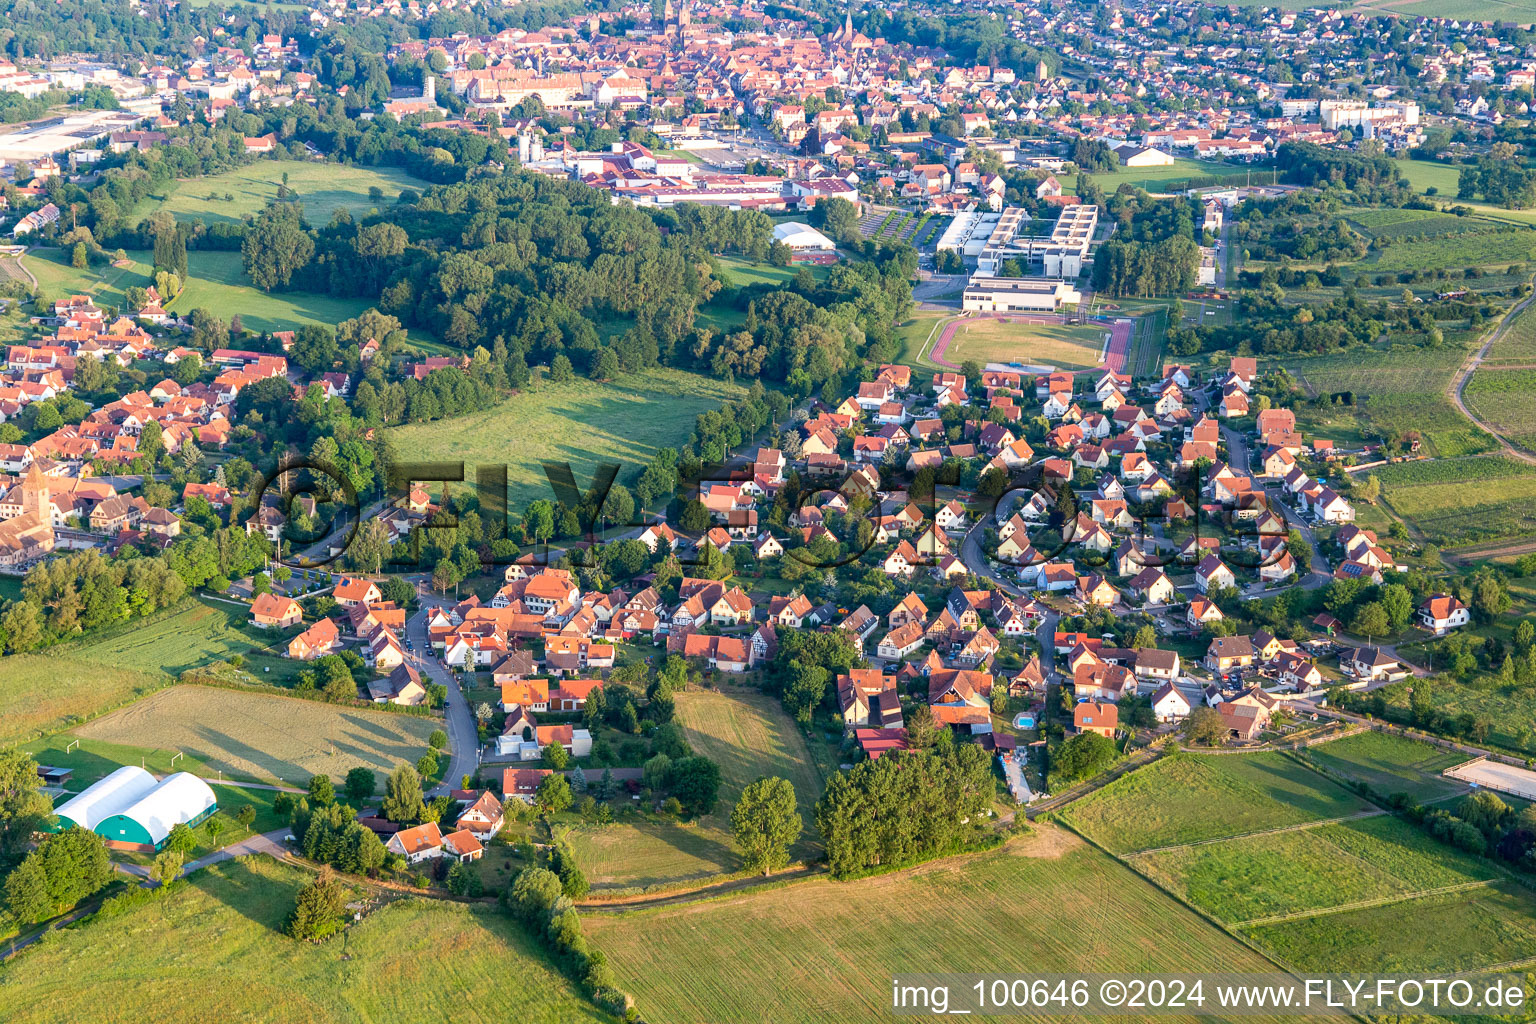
pixel 131 810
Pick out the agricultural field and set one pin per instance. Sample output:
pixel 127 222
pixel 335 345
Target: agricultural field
pixel 1506 401
pixel 823 950
pixel 1483 249
pixel 1391 223
pixel 1185 798
pixel 40 693
pixel 749 736
pixel 1463 501
pixel 1395 390
pixel 323 189
pixel 1390 763
pixel 212 950
pixel 216 282
pixel 583 423
pixel 1517 345
pixel 1016 340
pixel 261 736
pixel 1312 869
pixel 1457 931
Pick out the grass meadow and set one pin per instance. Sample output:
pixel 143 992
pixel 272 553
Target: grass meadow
pixel 1517 346
pixel 584 423
pixel 41 693
pixel 749 736
pixel 259 736
pixel 323 189
pixel 216 282
pixel 1312 869
pixel 823 950
pixel 1185 798
pixel 1155 178
pixel 1390 763
pixel 213 950
pixel 1393 223
pixel 1457 931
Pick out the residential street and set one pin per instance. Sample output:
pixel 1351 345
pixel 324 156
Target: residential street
pixel 463 737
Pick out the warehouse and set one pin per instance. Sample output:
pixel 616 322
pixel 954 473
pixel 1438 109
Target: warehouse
pixel 131 811
pixel 1011 294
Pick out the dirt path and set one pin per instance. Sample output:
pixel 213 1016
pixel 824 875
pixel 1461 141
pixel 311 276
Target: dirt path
pixel 664 899
pixel 1464 374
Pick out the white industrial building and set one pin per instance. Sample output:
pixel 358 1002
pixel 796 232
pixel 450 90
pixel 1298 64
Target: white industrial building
pixel 1018 294
pixel 130 809
pixel 802 237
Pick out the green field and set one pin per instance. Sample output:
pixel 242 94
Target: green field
pixel 1404 388
pixel 1446 178
pixel 212 950
pixel 216 282
pixel 1153 178
pixel 1008 340
pixel 1457 931
pixel 1484 249
pixel 583 423
pixel 40 693
pixel 749 736
pixel 1184 798
pixel 322 188
pixel 1510 710
pixel 1390 763
pixel 1393 223
pixel 1312 869
pixel 821 950
pixel 257 736
pixel 1517 345
pixel 1463 501
pixel 1506 401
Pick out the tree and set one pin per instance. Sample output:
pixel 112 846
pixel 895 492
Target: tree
pixel 556 757
pixel 764 823
pixel 695 781
pixel 1421 702
pixel 553 794
pixel 276 246
pixel 184 840
pixel 1371 620
pixel 26 892
pixel 438 740
pixel 402 796
pixel 167 866
pixel 23 805
pixel 1083 756
pixel 319 910
pixel 1205 726
pixel 215 827
pixel 360 783
pixel 79 257
pixel 533 893
pixel 314 348
pixel 321 790
pixel 561 371
pixel 246 816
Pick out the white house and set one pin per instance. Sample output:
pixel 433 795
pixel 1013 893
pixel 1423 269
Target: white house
pixel 1442 613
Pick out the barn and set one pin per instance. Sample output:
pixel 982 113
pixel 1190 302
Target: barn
pixel 132 811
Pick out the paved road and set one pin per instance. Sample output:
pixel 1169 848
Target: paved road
pixel 262 842
pixel 979 565
pixel 1459 381
pixel 463 737
pixel 1237 452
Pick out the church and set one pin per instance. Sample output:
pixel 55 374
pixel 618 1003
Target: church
pixel 29 536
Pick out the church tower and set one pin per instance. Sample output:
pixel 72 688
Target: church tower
pixel 34 496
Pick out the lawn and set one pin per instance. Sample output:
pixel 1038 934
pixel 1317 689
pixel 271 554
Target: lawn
pixel 1390 764
pixel 739 273
pixel 1005 340
pixel 323 188
pixel 212 950
pixel 1312 869
pixel 1504 400
pixel 259 736
pixel 1446 178
pixel 584 423
pixel 916 333
pixel 821 950
pixel 1184 798
pixel 216 282
pixel 749 736
pixel 1451 932
pixel 1463 501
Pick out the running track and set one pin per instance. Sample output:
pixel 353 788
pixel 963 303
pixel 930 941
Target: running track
pixel 1116 355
